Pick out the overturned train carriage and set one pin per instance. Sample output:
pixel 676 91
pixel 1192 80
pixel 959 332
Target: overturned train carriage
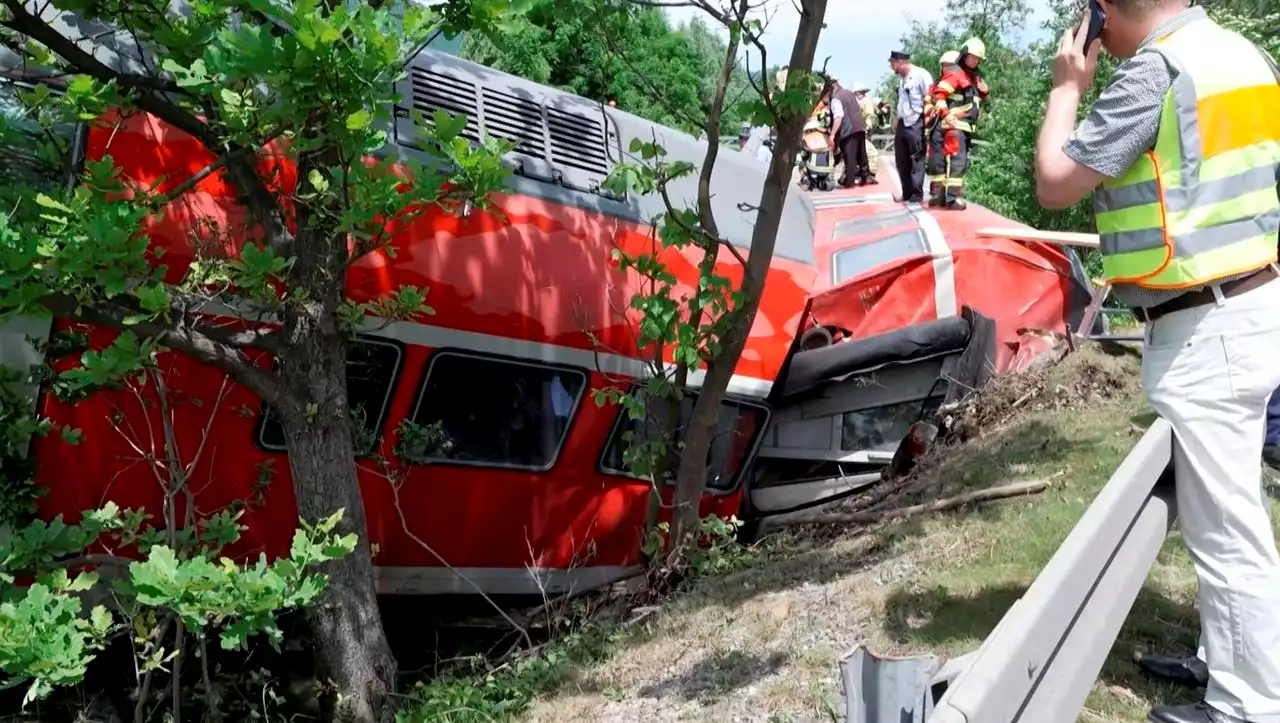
pixel 519 484
pixel 911 308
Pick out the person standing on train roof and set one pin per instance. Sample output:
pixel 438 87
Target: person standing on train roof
pixel 1181 153
pixel 956 103
pixel 849 134
pixel 908 134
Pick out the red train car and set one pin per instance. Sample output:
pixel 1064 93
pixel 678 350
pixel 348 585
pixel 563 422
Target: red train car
pixel 911 309
pixel 530 493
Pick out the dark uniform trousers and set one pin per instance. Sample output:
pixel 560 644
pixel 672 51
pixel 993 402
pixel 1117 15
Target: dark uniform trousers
pixel 857 166
pixel 908 151
pixel 948 161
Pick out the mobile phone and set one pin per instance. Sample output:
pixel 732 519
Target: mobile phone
pixel 1097 20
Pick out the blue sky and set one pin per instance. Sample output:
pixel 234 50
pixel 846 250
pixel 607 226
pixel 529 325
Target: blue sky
pixel 859 33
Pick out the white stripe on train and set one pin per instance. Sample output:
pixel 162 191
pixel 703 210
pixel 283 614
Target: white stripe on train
pixel 436 337
pixel 604 362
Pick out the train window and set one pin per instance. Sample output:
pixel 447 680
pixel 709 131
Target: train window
pixel 372 368
pixel 495 412
pixel 35 147
pixel 862 258
pixel 737 432
pixel 854 227
pixel 882 428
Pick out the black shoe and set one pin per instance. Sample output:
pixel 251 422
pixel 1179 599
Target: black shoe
pixel 1271 456
pixel 1194 713
pixel 1190 671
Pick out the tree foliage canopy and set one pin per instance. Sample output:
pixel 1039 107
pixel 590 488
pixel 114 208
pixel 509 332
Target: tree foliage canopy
pixel 618 51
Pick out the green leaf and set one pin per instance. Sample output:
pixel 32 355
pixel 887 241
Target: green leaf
pixel 83 581
pixel 152 297
pixel 48 202
pixel 230 98
pixel 359 120
pixel 317 180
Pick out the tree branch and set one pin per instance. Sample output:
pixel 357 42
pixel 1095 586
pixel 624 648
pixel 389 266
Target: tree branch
pixel 254 192
pixel 196 344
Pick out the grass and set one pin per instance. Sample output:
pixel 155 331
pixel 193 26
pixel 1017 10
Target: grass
pixel 762 643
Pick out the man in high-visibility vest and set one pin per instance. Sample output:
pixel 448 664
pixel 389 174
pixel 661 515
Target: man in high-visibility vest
pixel 1181 152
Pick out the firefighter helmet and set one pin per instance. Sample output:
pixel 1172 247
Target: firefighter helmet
pixel 974 47
pixel 951 57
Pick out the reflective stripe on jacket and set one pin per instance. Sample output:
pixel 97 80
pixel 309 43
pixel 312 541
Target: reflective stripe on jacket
pixel 957 96
pixel 1201 205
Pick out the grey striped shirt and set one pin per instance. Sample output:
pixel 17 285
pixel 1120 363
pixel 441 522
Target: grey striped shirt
pixel 1122 125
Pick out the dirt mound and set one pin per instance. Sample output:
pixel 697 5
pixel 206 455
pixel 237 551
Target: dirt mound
pixel 1091 375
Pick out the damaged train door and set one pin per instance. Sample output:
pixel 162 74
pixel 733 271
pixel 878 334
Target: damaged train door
pixel 841 411
pixel 847 399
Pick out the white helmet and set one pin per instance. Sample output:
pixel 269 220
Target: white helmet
pixel 861 87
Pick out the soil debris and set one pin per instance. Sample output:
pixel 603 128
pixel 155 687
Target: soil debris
pixel 1092 375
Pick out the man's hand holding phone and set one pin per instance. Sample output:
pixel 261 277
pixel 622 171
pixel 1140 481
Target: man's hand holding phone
pixel 1077 58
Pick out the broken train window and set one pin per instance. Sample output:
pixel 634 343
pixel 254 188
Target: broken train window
pixel 737 432
pixel 37 142
pixel 493 412
pixel 372 368
pixel 882 428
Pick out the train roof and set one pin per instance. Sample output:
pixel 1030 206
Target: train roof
pixel 566 145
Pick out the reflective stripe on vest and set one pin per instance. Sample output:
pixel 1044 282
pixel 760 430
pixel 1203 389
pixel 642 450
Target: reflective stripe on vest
pixel 1201 204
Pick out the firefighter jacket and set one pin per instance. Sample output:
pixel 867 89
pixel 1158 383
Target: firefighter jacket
pixel 957 98
pixel 1201 204
pixel 868 109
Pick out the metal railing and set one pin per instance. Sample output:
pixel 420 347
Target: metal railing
pixel 1043 658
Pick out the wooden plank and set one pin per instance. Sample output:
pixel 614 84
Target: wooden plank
pixel 1062 238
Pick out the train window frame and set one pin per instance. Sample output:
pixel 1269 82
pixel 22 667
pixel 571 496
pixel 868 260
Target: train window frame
pixel 619 418
pixel 77 140
pixel 916 235
pixel 260 428
pixel 574 408
pixel 923 406
pixel 853 228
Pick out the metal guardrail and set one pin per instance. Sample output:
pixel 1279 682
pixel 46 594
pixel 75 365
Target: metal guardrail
pixel 1043 658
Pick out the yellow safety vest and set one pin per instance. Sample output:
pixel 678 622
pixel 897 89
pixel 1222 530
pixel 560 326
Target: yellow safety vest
pixel 1201 205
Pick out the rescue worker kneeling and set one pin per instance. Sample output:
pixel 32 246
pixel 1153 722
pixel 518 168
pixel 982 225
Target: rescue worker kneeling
pixel 957 98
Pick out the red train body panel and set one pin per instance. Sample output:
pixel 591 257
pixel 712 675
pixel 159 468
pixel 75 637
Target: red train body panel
pixel 531 301
pixel 883 266
pixel 531 317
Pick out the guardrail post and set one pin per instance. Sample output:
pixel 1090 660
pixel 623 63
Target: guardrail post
pixel 887 689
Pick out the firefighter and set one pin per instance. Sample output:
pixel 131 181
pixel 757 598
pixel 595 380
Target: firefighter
pixel 957 101
pixel 946 63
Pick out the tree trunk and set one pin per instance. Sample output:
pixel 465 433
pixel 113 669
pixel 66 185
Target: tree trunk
pixel 350 646
pixel 691 477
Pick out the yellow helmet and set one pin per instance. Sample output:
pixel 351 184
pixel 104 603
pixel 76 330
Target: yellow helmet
pixel 974 47
pixel 951 57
